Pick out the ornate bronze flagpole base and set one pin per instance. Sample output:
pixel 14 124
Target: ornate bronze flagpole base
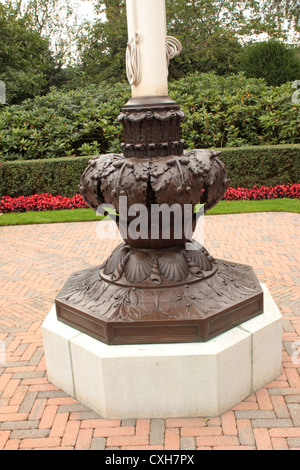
pixel 163 288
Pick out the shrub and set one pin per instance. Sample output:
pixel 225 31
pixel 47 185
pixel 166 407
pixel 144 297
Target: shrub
pixel 235 111
pixel 220 112
pixel 63 123
pixel 271 60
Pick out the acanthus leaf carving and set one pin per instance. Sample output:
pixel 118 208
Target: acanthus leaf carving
pixel 230 285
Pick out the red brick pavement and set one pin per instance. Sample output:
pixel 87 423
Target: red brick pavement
pixel 34 414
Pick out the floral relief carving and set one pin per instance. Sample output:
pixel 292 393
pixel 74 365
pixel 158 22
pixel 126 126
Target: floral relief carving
pixel 229 285
pixel 157 289
pixel 187 179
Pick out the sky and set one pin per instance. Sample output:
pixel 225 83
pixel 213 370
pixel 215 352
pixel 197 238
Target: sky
pixel 85 8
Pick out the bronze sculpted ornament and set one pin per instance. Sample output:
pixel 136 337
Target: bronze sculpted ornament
pixel 157 287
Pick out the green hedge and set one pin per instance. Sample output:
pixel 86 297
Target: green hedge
pixel 53 176
pixel 246 166
pixel 262 165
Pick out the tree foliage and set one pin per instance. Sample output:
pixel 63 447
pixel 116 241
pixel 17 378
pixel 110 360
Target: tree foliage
pixel 38 37
pixel 25 58
pixel 35 43
pixel 103 45
pixel 271 60
pixel 290 9
pixel 209 43
pixel 212 34
pixel 55 20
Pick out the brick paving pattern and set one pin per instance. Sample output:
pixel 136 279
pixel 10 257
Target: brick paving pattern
pixel 34 414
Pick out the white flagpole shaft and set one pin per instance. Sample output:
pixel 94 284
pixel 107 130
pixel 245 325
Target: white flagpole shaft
pixel 148 19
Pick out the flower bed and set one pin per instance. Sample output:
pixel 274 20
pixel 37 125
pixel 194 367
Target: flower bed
pixel 47 202
pixel 40 202
pixel 263 192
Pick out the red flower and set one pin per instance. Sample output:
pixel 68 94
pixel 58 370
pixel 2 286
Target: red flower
pixel 279 191
pixel 40 202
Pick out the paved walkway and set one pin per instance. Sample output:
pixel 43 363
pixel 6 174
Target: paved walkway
pixel 34 414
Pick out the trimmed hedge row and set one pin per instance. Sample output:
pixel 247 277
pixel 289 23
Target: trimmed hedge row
pixel 247 167
pixel 59 176
pixel 263 165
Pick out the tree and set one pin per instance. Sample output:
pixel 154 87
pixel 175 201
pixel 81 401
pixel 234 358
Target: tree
pixel 53 23
pixel 58 21
pixel 211 32
pixel 290 9
pixel 206 47
pixel 209 42
pixel 25 57
pixel 271 60
pixel 103 45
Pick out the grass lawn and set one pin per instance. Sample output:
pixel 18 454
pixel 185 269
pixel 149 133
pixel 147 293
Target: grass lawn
pixel 266 205
pixel 88 215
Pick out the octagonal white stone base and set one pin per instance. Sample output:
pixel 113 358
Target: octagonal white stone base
pixel 165 380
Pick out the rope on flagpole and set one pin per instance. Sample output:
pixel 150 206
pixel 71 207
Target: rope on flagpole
pixel 132 60
pixel 173 49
